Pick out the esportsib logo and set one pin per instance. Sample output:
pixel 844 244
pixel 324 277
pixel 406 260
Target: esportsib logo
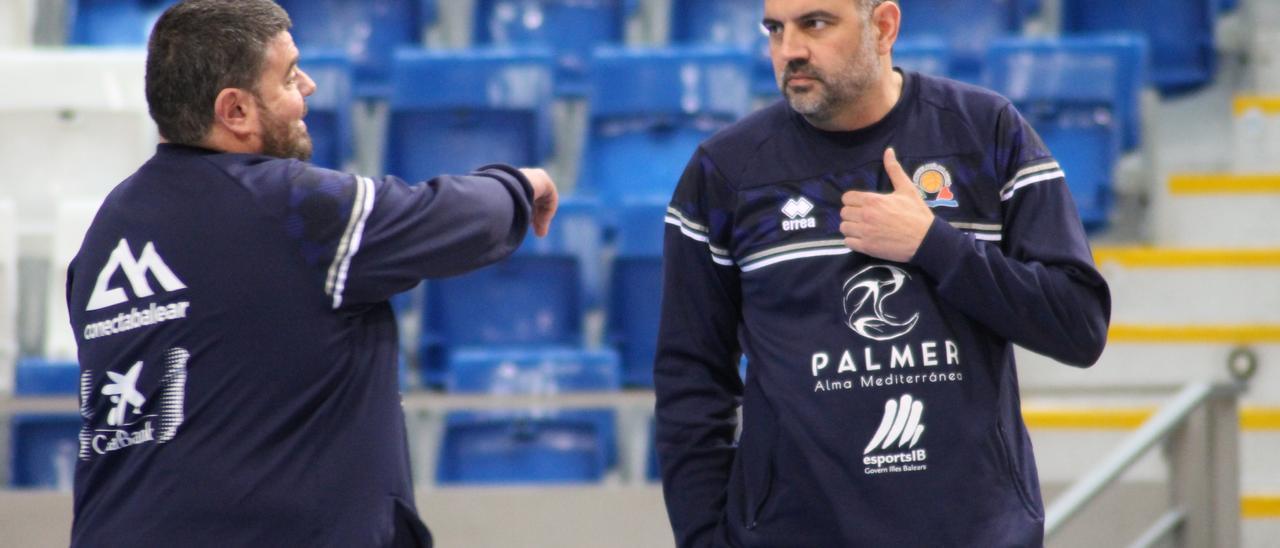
pixel 900 429
pixel 865 294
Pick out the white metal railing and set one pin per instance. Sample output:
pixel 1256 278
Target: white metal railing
pixel 1200 430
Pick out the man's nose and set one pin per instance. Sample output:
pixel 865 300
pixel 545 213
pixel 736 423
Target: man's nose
pixel 792 45
pixel 307 85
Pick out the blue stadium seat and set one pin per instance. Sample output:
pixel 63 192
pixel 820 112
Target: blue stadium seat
pixel 488 448
pixel 367 31
pixel 541 371
pixel 329 109
pixel 732 23
pixel 636 288
pixel 966 26
pixel 1111 69
pixel 454 111
pixel 528 299
pixel 1028 8
pixel 650 109
pixel 723 22
pixel 43 449
pixel 1081 95
pixel 534 299
pixel 1181 34
pixel 578 232
pixel 1087 148
pixel 928 55
pixel 532 371
pixel 39 377
pixel 112 22
pixel 571 28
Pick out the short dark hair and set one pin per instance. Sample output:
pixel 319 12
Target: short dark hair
pixel 197 49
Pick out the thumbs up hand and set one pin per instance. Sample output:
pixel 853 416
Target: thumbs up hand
pixel 886 226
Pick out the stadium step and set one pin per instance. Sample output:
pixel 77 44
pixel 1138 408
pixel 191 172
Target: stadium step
pixel 1219 210
pixel 1177 316
pixel 1202 287
pixel 1256 134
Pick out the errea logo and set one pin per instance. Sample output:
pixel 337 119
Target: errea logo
pixel 136 271
pixel 797 211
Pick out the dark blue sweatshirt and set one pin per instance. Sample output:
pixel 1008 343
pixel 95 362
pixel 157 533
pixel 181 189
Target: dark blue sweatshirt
pixel 881 405
pixel 238 354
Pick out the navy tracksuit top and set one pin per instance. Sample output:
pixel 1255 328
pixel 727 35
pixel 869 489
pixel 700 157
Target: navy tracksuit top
pixel 880 406
pixel 239 356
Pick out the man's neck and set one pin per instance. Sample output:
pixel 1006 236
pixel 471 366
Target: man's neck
pixel 873 107
pixel 224 141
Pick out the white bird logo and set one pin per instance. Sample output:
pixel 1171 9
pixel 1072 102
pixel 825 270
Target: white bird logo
pixel 868 289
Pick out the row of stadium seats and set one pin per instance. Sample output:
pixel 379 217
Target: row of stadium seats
pixel 476 447
pixel 1181 31
pixel 489 447
pixel 451 111
pixel 648 109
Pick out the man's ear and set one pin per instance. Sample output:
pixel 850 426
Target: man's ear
pixel 236 111
pixel 886 19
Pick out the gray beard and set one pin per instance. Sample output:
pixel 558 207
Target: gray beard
pixel 846 86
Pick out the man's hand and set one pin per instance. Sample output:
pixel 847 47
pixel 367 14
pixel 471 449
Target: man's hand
pixel 886 226
pixel 545 199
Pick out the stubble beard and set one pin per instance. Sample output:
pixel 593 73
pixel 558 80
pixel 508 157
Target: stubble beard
pixel 283 138
pixel 832 94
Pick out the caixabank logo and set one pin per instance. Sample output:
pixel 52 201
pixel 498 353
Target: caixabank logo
pixel 132 418
pixel 892 448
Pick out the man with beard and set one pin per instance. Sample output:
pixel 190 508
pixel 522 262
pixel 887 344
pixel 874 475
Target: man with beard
pixel 238 354
pixel 875 244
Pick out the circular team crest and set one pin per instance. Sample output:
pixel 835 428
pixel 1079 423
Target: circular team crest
pixel 934 183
